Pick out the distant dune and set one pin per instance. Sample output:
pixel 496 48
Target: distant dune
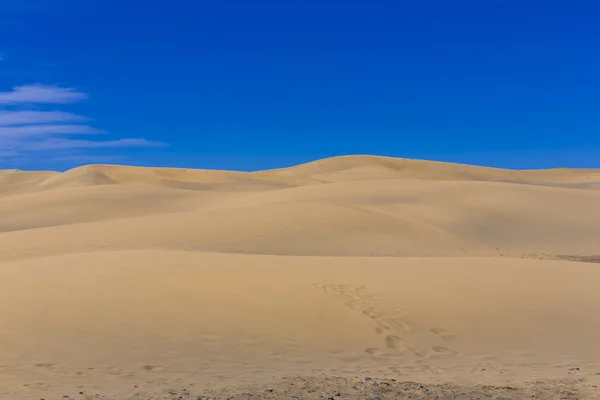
pixel 336 169
pixel 131 282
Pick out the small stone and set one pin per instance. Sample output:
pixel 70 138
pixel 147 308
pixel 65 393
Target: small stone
pixel 375 384
pixel 330 398
pixel 338 394
pixel 80 392
pixel 269 390
pixel 420 386
pixel 367 378
pixel 354 387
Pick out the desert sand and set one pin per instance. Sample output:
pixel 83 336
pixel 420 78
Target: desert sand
pixel 435 280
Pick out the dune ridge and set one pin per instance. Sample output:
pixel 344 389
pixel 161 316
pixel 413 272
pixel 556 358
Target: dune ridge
pixel 135 282
pixel 335 169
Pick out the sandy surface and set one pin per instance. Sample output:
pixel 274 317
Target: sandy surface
pixel 435 280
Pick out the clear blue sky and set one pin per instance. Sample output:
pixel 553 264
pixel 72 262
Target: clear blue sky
pixel 258 84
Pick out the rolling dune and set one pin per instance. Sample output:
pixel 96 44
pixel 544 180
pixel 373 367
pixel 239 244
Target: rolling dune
pixel 133 282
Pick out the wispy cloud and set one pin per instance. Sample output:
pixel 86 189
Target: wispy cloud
pixel 46 130
pixel 41 94
pixel 67 144
pixel 8 118
pixel 26 133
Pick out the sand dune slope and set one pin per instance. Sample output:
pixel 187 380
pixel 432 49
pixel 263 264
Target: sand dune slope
pixel 398 218
pixel 130 282
pixel 336 169
pixel 350 168
pixel 104 322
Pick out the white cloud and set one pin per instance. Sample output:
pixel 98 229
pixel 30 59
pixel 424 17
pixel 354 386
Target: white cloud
pixel 37 117
pixel 46 130
pixel 26 134
pixel 68 144
pixel 41 94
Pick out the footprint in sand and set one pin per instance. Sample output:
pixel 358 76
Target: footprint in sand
pixel 401 312
pixel 431 368
pixel 442 333
pixel 440 350
pixel 45 365
pixel 393 342
pixel 372 351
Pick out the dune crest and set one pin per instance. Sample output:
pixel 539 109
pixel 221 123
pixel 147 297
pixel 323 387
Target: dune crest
pixel 335 169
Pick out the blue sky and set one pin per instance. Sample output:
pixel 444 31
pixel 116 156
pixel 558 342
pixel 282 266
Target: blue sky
pixel 251 85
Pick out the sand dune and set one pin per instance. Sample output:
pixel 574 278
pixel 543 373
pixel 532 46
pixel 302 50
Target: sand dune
pixel 132 282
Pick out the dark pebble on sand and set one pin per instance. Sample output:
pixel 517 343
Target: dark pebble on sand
pixel 269 390
pixel 367 378
pixel 375 384
pixel 420 386
pixel 330 398
pixel 354 387
pixel 338 394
